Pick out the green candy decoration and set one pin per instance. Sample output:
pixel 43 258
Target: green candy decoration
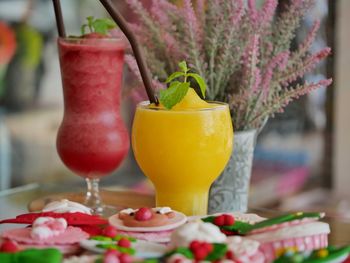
pixel 282 219
pixel 49 255
pixel 244 228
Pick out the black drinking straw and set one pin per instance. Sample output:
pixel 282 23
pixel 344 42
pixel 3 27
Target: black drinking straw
pixel 146 78
pixel 59 18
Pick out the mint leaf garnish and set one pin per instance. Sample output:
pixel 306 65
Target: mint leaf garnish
pixel 174 94
pixel 183 66
pixel 174 76
pixel 200 82
pixel 180 250
pixel 177 90
pixel 219 251
pixel 100 25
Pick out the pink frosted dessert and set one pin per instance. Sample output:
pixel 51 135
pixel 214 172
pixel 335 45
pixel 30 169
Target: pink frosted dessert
pixel 304 233
pixel 47 232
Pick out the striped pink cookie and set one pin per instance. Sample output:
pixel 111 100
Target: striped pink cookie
pixel 302 237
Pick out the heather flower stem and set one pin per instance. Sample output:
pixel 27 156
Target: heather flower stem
pixel 249 113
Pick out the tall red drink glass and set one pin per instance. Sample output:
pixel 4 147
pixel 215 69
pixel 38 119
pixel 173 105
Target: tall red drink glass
pixel 92 140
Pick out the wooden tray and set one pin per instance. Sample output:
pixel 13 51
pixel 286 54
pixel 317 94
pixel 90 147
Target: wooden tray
pixel 123 199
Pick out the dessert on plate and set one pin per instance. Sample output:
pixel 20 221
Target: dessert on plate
pixel 150 224
pixel 110 239
pixel 198 241
pixel 74 213
pixel 47 232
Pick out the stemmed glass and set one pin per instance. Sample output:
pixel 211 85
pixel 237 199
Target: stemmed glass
pixel 92 140
pixel 182 152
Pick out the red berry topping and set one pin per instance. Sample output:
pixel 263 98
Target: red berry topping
pixel 209 247
pixel 143 214
pixel 230 255
pixel 219 220
pixel 200 253
pixel 178 260
pixel 9 246
pixel 200 250
pixel 195 245
pixel 229 220
pixel 109 231
pixel 125 258
pixel 124 242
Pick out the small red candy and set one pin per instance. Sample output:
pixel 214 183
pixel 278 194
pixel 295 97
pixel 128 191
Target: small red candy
pixel 195 245
pixel 109 231
pixel 125 258
pixel 9 246
pixel 219 220
pixel 209 247
pixel 200 253
pixel 200 250
pixel 229 255
pixel 124 242
pixel 143 214
pixel 229 220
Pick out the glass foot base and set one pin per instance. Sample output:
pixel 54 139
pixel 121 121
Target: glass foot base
pixel 105 210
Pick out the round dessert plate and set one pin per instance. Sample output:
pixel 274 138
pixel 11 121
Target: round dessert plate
pixel 144 249
pixel 178 220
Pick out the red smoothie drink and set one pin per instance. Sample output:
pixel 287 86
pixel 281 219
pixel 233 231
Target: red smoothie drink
pixel 92 140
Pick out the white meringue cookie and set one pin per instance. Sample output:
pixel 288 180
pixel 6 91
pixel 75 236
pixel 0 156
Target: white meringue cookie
pixel 66 206
pixel 197 230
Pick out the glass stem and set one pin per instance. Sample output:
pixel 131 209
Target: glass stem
pixel 93 199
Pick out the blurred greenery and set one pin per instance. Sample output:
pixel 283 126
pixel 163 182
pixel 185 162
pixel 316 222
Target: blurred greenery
pixel 30 44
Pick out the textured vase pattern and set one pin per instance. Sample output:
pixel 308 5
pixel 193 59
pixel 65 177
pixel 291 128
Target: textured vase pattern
pixel 230 191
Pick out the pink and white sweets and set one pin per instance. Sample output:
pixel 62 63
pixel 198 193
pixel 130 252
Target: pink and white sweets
pixel 302 237
pixel 45 227
pixel 47 232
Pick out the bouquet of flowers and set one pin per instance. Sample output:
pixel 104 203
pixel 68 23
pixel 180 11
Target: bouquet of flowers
pixel 243 52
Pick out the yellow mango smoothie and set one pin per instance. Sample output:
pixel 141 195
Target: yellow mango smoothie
pixel 183 150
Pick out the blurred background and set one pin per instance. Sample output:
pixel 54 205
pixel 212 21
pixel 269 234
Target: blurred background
pixel 303 155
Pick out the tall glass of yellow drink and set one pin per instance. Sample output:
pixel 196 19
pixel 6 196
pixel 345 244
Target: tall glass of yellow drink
pixel 183 150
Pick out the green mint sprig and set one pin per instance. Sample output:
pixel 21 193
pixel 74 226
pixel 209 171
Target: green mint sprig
pixel 177 90
pixel 99 25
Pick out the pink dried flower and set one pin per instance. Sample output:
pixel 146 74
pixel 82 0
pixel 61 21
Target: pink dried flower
pixel 279 62
pixel 257 80
pixel 304 47
pixel 309 64
pixel 267 12
pixel 132 64
pixel 159 14
pixel 253 13
pixel 191 20
pixel 251 58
